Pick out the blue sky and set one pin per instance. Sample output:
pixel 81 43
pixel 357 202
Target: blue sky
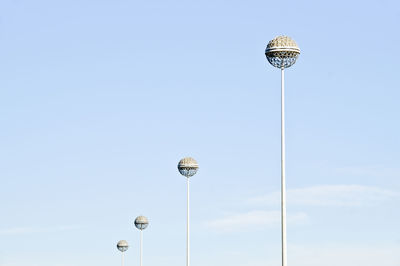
pixel 99 100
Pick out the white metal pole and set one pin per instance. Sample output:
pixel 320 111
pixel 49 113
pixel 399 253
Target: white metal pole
pixel 141 247
pixel 122 258
pixel 283 181
pixel 188 228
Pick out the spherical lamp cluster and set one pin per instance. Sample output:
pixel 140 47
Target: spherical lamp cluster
pixel 282 52
pixel 188 167
pixel 141 222
pixel 122 245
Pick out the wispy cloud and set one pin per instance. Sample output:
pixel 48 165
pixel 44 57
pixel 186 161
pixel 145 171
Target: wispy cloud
pixel 327 195
pixel 253 219
pixel 346 255
pixel 36 230
pixel 312 255
pixel 330 195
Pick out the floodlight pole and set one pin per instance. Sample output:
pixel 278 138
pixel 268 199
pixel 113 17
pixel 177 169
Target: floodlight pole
pixel 283 172
pixel 122 246
pixel 141 223
pixel 188 167
pixel 282 52
pixel 188 226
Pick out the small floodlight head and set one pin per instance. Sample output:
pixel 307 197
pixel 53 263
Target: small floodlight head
pixel 141 222
pixel 188 167
pixel 282 52
pixel 122 245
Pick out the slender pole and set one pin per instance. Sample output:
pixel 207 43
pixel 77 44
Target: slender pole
pixel 188 228
pixel 122 258
pixel 141 247
pixel 283 181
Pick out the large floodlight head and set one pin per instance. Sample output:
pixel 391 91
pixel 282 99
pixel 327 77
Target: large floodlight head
pixel 282 52
pixel 141 222
pixel 188 167
pixel 122 245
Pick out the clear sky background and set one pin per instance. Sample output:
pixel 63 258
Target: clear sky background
pixel 99 100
